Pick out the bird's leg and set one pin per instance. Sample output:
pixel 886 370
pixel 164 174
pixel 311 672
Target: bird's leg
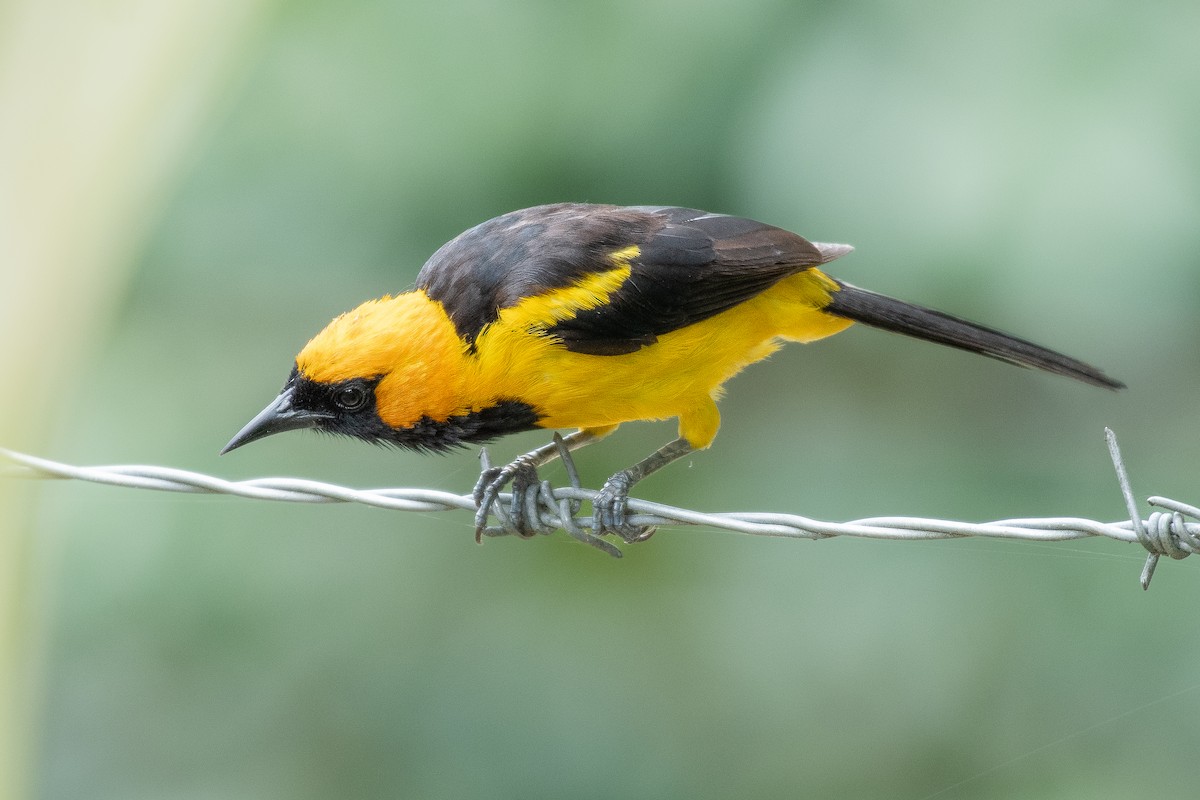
pixel 608 509
pixel 522 472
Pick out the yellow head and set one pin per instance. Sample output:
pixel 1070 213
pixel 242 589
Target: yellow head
pixel 405 343
pixel 390 371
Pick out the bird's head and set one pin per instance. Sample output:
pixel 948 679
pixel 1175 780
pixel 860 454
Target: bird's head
pixel 377 373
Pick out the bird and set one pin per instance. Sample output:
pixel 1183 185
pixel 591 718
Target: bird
pixel 586 316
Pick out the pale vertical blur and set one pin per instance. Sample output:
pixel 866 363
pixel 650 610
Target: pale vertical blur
pixel 97 103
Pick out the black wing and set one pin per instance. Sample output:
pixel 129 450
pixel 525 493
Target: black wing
pixel 691 265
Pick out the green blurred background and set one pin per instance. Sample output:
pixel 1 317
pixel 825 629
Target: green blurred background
pixel 196 188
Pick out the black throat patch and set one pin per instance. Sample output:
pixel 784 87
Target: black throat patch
pixel 426 434
pixel 475 427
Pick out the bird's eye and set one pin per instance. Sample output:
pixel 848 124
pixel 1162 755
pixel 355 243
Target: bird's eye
pixel 350 398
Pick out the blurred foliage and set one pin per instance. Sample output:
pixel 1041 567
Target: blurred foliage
pixel 1029 165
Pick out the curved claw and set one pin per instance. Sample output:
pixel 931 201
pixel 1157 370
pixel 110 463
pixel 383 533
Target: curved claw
pixel 525 488
pixel 485 492
pixel 609 510
pixel 486 478
pixel 521 517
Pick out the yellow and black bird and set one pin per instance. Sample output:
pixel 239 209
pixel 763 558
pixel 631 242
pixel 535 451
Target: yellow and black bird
pixel 587 316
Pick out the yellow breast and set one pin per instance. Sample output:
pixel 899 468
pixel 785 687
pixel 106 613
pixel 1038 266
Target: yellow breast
pixel 680 372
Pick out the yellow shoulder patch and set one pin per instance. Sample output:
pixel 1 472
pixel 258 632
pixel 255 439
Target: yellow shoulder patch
pixel 556 305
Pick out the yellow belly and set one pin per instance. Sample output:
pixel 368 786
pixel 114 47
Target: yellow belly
pixel 678 376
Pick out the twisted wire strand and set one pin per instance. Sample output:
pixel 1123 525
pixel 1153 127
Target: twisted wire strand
pixel 1174 532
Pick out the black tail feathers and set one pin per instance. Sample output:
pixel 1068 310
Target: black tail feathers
pixel 897 316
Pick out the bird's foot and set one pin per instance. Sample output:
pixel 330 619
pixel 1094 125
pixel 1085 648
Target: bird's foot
pixel 522 517
pixel 608 510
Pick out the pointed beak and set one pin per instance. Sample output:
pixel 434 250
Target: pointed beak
pixel 278 417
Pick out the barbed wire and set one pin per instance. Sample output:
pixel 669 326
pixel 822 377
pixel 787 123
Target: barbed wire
pixel 1173 531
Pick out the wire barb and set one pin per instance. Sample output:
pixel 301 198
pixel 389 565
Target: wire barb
pixel 1164 533
pixel 1173 531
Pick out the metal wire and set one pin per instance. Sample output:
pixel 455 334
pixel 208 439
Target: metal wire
pixel 1174 532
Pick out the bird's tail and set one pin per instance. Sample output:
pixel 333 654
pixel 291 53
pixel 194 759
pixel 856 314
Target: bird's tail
pixel 897 316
